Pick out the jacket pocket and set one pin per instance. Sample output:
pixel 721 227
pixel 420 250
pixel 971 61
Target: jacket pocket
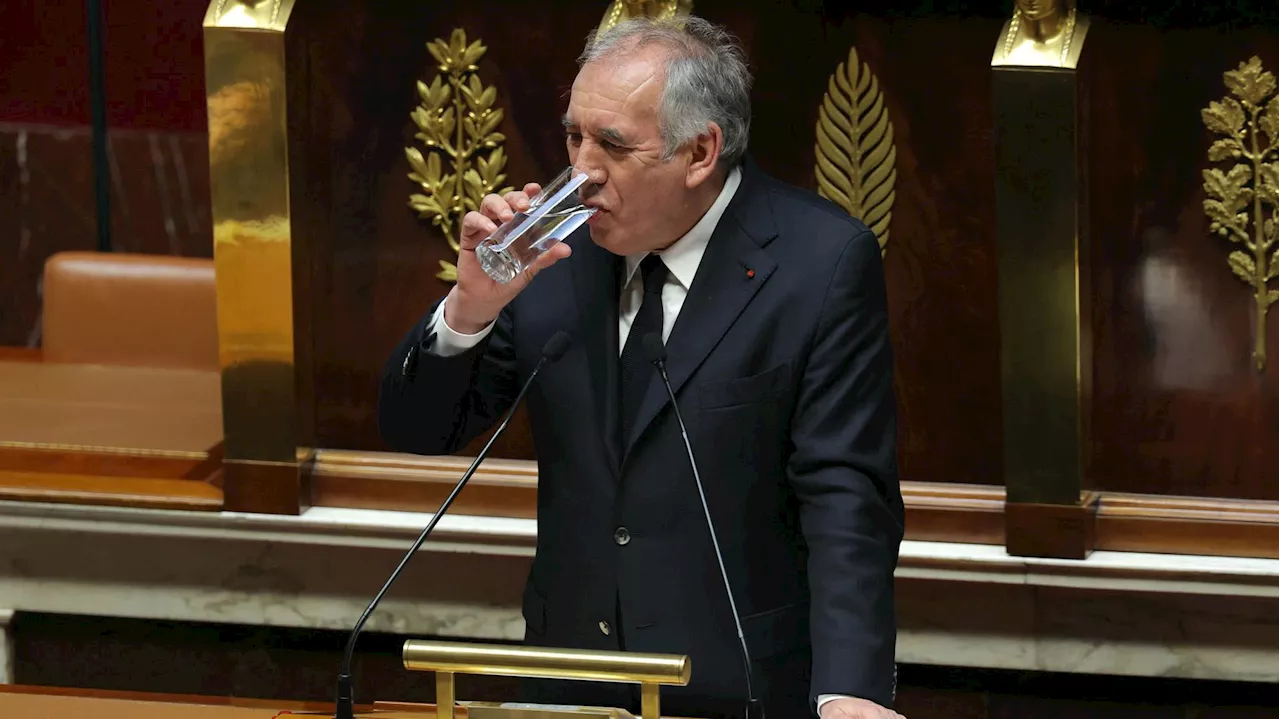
pixel 777 631
pixel 745 390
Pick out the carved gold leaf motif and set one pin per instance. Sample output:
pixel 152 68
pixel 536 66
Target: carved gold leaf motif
pixel 458 127
pixel 620 10
pixel 854 150
pixel 1241 201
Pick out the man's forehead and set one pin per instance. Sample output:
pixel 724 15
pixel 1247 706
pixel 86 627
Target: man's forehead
pixel 633 78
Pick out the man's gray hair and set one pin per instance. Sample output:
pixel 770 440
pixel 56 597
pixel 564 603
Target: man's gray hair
pixel 707 79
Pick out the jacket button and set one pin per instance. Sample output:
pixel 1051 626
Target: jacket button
pixel 621 536
pixel 604 628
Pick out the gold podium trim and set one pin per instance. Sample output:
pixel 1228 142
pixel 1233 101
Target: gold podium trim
pixel 449 658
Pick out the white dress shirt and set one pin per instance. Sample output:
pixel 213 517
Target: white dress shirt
pixel 681 258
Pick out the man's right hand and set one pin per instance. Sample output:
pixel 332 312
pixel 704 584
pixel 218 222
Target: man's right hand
pixel 476 299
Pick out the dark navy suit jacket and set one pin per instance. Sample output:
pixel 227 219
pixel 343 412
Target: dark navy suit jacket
pixel 784 378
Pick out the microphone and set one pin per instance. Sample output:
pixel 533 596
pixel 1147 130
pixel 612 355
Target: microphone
pixel 656 352
pixel 553 350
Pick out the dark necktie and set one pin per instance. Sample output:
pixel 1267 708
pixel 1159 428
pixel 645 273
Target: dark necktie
pixel 634 371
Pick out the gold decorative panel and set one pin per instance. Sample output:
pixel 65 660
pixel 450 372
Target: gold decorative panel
pixel 620 10
pixel 1241 201
pixel 854 150
pixel 458 126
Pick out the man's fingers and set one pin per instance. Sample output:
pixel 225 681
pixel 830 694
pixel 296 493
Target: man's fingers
pixel 558 252
pixel 518 201
pixel 532 189
pixel 496 208
pixel 475 227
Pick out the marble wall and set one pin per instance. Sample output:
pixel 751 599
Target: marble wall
pixel 159 184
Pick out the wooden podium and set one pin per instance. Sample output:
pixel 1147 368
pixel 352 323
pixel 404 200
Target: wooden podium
pixel 24 702
pixel 446 659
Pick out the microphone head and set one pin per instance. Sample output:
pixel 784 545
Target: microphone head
pixel 654 350
pixel 555 347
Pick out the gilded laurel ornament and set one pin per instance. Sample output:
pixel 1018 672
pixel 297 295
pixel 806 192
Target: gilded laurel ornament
pixel 854 149
pixel 1241 202
pixel 458 127
pixel 620 10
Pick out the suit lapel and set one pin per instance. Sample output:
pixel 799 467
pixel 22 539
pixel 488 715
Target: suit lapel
pixel 733 269
pixel 595 277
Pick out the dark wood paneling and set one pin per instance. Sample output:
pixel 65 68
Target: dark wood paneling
pixel 1060 531
pixel 160 193
pixel 940 259
pixel 378 261
pixel 1231 712
pixel 266 663
pixel 159 205
pixel 927 703
pixel 1178 407
pixel 1015 707
pixel 46 182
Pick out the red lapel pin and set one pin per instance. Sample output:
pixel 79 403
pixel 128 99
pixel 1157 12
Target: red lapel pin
pixel 751 273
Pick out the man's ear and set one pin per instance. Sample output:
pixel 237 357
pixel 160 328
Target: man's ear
pixel 704 156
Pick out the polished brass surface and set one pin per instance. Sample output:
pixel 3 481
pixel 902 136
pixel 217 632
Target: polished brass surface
pixel 854 150
pixel 1245 194
pixel 493 710
pixel 444 695
pixel 545 662
pixel 458 124
pixel 1042 33
pixel 620 10
pixel 449 658
pixel 254 248
pixel 649 700
pixel 270 15
pixel 1045 356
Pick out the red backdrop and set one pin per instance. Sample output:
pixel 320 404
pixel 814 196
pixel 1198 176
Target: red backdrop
pixel 152 56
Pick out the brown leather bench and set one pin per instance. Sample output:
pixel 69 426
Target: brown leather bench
pixel 130 357
pixel 108 308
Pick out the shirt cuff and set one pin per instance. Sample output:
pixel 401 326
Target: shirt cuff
pixel 824 698
pixel 445 341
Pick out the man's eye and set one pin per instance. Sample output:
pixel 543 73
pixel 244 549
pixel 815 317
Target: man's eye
pixel 575 138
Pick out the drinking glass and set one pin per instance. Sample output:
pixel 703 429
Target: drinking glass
pixel 552 216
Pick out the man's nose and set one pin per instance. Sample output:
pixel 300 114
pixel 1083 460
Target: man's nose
pixel 587 162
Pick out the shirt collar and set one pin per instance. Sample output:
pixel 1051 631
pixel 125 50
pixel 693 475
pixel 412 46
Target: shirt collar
pixel 683 257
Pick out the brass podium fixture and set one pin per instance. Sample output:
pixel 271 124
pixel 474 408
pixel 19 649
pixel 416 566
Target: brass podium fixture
pixel 449 658
pixel 1045 356
pixel 260 264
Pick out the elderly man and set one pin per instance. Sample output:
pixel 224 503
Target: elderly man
pixel 771 304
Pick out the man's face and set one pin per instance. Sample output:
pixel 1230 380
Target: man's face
pixel 612 134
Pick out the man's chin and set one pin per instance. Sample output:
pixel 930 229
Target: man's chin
pixel 605 238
